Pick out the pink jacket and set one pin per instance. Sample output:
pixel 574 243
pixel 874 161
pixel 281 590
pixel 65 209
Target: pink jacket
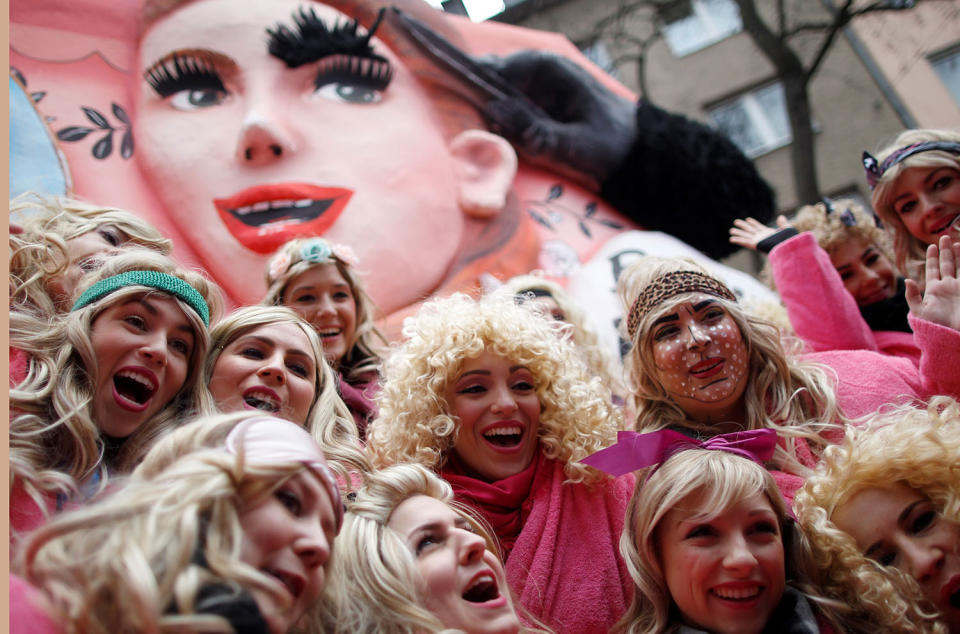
pixel 823 313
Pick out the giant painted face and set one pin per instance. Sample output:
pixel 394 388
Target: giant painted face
pixel 246 152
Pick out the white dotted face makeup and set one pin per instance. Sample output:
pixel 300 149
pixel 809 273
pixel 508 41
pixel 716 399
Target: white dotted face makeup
pixel 700 357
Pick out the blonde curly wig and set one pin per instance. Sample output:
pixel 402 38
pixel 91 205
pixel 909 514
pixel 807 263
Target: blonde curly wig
pixel 54 441
pixel 363 350
pixel 328 420
pixel 910 252
pixel 38 255
pixel 135 560
pixel 917 447
pixel 415 424
pixel 831 232
pixel 793 397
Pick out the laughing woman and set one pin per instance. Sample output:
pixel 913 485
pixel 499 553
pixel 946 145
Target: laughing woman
pixel 267 358
pixel 488 395
pixel 409 560
pixel 105 381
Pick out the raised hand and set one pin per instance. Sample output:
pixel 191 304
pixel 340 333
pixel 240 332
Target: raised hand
pixel 748 232
pixel 939 302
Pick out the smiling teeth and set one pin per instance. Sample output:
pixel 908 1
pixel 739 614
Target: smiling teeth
pixel 504 431
pixel 263 397
pixel 738 594
pixel 272 204
pixel 139 378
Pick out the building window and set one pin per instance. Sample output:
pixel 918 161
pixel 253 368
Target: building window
pixel 947 66
pixel 756 121
pixel 599 54
pixel 700 23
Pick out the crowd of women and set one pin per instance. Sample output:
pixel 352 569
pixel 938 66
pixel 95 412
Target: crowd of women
pixel 282 468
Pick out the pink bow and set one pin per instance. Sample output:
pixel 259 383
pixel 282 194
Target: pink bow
pixel 636 451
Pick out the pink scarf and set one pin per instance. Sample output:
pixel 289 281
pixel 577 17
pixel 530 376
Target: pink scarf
pixel 504 503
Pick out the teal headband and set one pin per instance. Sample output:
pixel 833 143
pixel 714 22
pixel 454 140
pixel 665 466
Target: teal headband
pixel 154 279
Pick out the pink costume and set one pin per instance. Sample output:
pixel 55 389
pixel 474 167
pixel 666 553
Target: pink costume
pixel 823 313
pixel 564 564
pixel 26 615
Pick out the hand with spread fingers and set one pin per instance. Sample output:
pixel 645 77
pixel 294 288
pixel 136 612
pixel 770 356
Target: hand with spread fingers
pixel 939 301
pixel 749 232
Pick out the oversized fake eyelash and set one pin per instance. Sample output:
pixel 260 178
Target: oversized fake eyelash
pixel 183 72
pixel 313 40
pixel 373 73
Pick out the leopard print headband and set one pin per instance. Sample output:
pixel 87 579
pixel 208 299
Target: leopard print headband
pixel 670 284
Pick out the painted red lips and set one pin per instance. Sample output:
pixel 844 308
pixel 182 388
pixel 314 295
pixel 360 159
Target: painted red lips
pixel 264 217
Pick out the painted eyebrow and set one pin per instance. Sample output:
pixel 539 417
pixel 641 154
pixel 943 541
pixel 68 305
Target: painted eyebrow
pixel 901 519
pixel 666 318
pixel 310 39
pixel 267 341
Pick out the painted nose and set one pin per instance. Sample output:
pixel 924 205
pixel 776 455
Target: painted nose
pixel 699 336
pixel 262 142
pixel 739 559
pixel 472 547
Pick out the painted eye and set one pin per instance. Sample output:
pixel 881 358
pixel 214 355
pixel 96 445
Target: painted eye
pixel 197 99
pixel 350 93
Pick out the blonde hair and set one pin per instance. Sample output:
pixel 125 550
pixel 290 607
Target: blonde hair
pixel 136 560
pixel 415 423
pixel 328 420
pixel 915 447
pixel 54 441
pixel 374 584
pixel 910 251
pixel 39 254
pixel 831 232
pixel 362 355
pixel 721 480
pixel 793 397
pixel 584 338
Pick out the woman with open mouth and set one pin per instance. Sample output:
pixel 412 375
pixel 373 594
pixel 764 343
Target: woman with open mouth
pixel 319 281
pixel 485 393
pixel 409 559
pixel 233 535
pixel 702 365
pixel 916 192
pixel 710 543
pixel 105 380
pixel 883 514
pixel 267 358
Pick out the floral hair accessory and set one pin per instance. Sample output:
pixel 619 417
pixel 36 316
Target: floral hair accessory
pixel 670 284
pixel 637 451
pixel 268 440
pixel 279 264
pixel 318 251
pixel 153 279
pixel 875 170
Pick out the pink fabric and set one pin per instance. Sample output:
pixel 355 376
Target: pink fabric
pixel 19 360
pixel 359 399
pixel 940 361
pixel 26 615
pixel 823 313
pixel 565 566
pixel 503 503
pixel 25 513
